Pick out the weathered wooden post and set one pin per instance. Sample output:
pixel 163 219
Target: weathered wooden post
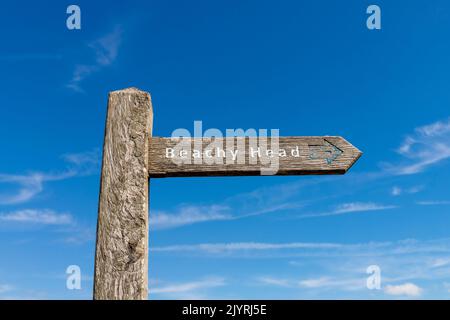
pixel 131 156
pixel 121 258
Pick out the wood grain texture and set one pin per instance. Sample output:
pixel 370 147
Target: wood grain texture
pixel 317 155
pixel 121 261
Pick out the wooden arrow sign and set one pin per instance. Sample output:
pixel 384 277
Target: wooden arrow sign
pixel 131 155
pixel 247 157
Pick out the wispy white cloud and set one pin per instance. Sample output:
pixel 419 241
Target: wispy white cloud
pixel 16 293
pixel 83 163
pixel 31 184
pixel 106 47
pixel 44 216
pixel 258 202
pixel 327 249
pixel 323 283
pixel 261 201
pixel 440 262
pixel 433 202
pixel 189 286
pixel 187 290
pixel 338 284
pixel 401 263
pixel 447 286
pixel 406 289
pixel 427 146
pixel 105 50
pixel 329 283
pixel 244 246
pixel 397 191
pixel 351 207
pixel 78 234
pixel 360 206
pixel 273 281
pixel 5 288
pixel 188 215
pixel 315 283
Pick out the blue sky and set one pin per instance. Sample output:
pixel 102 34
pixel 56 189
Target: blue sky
pixel 304 67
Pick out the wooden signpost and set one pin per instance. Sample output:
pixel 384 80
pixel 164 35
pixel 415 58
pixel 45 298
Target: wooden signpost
pixel 131 156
